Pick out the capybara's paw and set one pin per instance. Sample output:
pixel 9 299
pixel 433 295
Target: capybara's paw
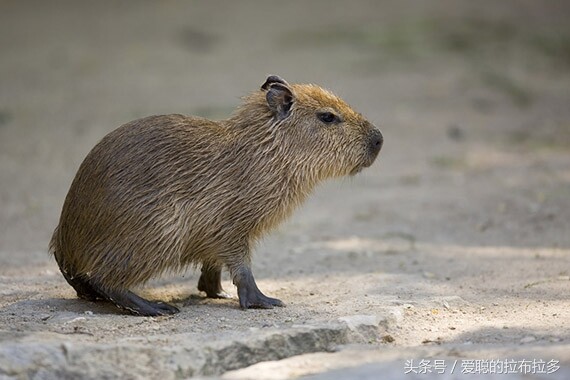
pixel 136 305
pixel 221 294
pixel 264 303
pixel 250 297
pixel 164 309
pixel 258 300
pixel 210 282
pixel 212 289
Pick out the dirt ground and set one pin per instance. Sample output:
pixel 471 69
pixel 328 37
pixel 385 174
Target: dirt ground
pixel 454 244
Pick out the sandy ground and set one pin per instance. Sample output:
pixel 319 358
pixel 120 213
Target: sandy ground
pixel 456 242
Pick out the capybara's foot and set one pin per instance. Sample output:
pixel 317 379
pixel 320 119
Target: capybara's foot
pixel 210 282
pixel 258 301
pixel 250 297
pixel 163 308
pixel 136 305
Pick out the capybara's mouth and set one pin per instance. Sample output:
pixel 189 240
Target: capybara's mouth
pixel 356 170
pixel 367 162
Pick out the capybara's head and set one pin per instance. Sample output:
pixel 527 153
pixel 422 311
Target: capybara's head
pixel 320 131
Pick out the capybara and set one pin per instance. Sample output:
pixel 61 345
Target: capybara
pixel 162 193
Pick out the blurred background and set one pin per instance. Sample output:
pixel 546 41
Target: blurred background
pixel 472 97
pixel 457 235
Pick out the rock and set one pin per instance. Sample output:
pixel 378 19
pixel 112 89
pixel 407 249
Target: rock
pixel 354 322
pixel 364 327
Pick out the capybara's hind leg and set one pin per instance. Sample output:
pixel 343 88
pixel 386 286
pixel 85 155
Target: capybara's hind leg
pixel 211 282
pixel 82 286
pixel 139 306
pixel 80 282
pixel 129 301
pixel 85 290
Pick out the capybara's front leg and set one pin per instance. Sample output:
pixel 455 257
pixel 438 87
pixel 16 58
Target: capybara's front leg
pixel 249 294
pixel 211 282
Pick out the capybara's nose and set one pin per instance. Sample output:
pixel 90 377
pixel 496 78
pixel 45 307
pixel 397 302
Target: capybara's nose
pixel 376 142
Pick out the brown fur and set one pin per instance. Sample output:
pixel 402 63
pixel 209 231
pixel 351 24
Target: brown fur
pixel 164 192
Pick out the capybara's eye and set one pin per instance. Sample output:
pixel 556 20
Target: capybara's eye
pixel 328 117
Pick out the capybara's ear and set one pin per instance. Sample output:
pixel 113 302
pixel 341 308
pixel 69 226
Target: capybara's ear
pixel 273 79
pixel 280 99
